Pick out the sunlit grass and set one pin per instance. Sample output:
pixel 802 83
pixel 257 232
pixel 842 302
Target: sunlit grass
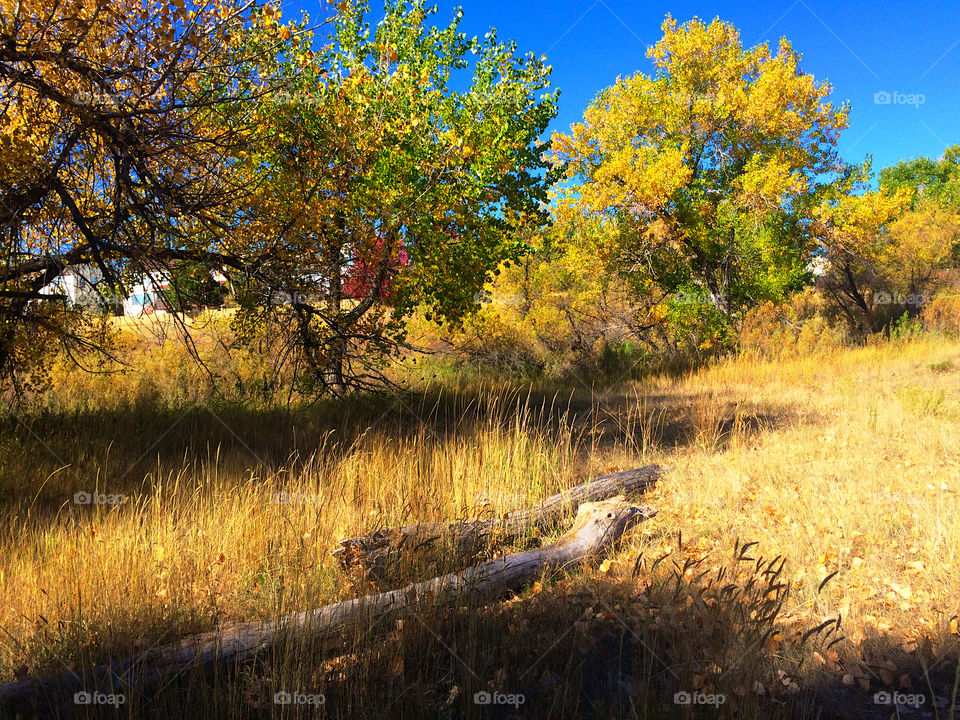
pixel 846 465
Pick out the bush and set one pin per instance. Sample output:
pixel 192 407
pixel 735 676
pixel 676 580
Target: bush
pixel 801 326
pixel 942 315
pixel 500 344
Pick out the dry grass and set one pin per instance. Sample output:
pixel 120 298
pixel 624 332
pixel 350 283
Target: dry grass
pixel 847 463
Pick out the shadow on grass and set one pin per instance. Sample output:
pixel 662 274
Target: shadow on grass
pixel 633 645
pixel 48 457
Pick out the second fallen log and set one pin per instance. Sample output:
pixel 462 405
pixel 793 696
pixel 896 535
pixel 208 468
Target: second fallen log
pixel 371 552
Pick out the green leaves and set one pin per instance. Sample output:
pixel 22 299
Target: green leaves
pixel 372 157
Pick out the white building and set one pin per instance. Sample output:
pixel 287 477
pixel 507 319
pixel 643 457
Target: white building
pixel 79 284
pixel 147 296
pixel 82 285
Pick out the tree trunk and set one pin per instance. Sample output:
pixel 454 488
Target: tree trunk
pixel 337 344
pixel 372 551
pixel 598 525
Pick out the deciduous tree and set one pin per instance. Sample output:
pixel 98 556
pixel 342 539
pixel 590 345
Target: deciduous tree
pixel 706 168
pixel 396 176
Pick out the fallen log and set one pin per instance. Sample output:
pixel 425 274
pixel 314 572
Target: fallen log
pixel 371 552
pixel 598 525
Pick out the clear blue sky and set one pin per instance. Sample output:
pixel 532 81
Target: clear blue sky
pixel 862 48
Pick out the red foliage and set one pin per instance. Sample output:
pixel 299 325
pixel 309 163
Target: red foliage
pixel 359 276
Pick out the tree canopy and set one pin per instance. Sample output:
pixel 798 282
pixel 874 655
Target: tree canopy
pixel 390 165
pixel 396 176
pixel 705 170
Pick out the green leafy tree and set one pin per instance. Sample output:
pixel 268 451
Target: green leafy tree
pixel 938 180
pixel 393 156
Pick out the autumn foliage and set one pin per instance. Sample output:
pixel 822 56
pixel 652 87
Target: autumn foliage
pixel 219 133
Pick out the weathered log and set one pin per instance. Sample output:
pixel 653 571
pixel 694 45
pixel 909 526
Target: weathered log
pixel 372 551
pixel 598 525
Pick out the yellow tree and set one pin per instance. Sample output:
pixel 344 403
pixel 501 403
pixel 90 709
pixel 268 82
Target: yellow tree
pixel 707 167
pixel 852 228
pixel 918 244
pixel 109 153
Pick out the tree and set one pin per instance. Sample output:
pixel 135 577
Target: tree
pixel 934 182
pixel 214 135
pixel 882 248
pixel 921 242
pixel 938 180
pixel 108 156
pixel 383 188
pixel 850 226
pixel 706 169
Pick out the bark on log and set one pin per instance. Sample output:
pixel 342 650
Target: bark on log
pixel 597 527
pixel 372 552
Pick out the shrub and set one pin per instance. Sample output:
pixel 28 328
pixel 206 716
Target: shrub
pixel 801 326
pixel 942 315
pixel 500 343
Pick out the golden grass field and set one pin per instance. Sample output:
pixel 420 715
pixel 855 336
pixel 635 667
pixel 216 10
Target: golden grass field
pixel 845 465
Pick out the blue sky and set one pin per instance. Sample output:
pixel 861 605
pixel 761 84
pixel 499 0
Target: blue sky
pixel 863 48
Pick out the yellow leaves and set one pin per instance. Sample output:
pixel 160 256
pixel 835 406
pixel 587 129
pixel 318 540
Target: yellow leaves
pixel 852 223
pixel 639 179
pixel 388 53
pixel 920 240
pixel 769 182
pixel 881 625
pixel 898 596
pixel 698 136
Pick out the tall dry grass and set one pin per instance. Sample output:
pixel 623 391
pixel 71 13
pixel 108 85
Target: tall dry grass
pixel 842 467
